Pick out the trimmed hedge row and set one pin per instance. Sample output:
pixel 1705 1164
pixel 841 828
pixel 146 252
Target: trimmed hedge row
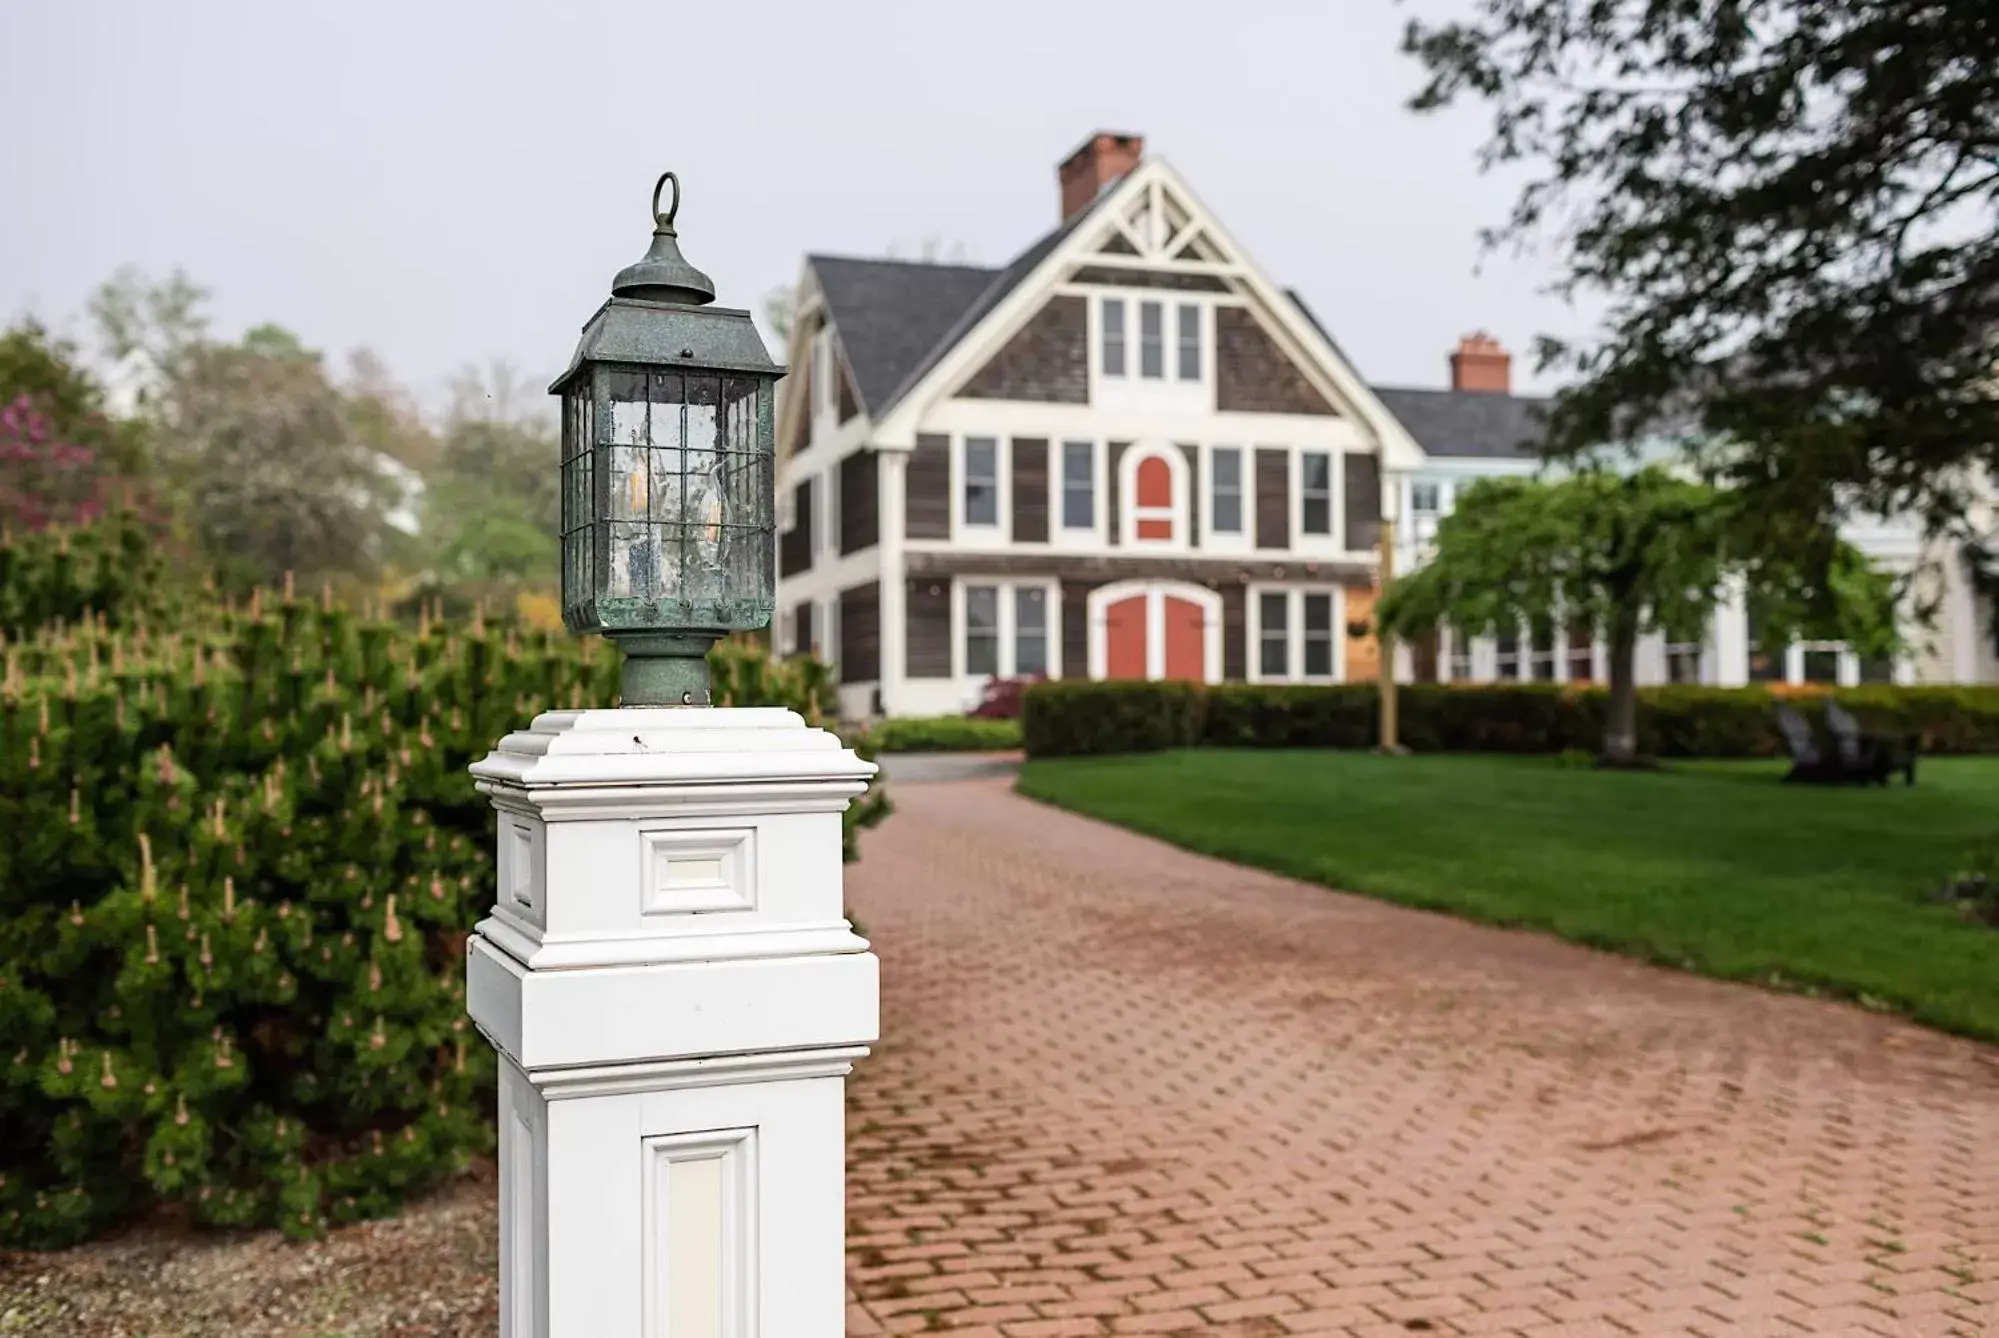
pixel 946 734
pixel 1076 718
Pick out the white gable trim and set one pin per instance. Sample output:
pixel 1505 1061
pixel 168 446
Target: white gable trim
pixel 1150 182
pixel 1399 450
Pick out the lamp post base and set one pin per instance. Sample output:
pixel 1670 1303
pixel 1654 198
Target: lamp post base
pixel 664 668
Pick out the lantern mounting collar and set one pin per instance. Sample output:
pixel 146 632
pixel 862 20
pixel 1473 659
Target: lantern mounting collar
pixel 663 274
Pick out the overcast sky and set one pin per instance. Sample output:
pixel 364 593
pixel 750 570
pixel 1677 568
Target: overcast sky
pixel 449 182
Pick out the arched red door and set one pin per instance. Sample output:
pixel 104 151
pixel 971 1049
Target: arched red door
pixel 1125 638
pixel 1186 638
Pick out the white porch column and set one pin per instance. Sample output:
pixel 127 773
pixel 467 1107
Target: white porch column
pixel 894 588
pixel 677 997
pixel 1731 636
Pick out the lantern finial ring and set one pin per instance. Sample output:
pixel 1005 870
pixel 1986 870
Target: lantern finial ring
pixel 664 222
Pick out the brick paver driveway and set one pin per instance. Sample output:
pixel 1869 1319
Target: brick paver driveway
pixel 1124 1089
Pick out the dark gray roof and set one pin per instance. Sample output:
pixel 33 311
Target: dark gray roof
pixel 892 313
pixel 900 310
pixel 1465 423
pixel 896 318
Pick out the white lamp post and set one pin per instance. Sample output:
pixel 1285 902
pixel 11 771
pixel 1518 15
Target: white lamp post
pixel 668 973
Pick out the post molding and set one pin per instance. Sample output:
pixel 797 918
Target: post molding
pixel 677 997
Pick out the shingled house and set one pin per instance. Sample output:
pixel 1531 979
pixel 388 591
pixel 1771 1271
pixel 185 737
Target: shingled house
pixel 1129 453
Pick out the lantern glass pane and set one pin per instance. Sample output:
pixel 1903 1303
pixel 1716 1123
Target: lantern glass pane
pixel 750 506
pixel 576 509
pixel 673 505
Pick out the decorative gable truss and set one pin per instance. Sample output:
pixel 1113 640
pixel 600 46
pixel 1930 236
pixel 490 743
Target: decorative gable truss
pixel 1148 233
pixel 813 355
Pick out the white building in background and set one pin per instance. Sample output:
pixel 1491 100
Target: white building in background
pixel 1131 453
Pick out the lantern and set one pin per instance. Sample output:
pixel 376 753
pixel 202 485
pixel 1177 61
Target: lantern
pixel 668 508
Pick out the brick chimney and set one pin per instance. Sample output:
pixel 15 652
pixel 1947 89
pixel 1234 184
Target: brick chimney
pixel 1481 366
pixel 1103 160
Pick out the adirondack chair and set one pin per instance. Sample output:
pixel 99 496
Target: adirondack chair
pixel 1809 763
pixel 1877 756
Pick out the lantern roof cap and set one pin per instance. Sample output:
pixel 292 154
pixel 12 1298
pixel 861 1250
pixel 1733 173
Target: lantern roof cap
pixel 670 334
pixel 663 274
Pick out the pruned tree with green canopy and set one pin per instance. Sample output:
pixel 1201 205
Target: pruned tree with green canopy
pixel 1631 554
pixel 1787 215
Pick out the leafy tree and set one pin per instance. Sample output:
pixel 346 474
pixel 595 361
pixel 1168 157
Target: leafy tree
pixel 384 415
pixel 1788 208
pixel 148 328
pixel 1628 555
pixel 274 477
pixel 48 373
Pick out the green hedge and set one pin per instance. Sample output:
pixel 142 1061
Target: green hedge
pixel 1072 718
pixel 241 857
pixel 946 734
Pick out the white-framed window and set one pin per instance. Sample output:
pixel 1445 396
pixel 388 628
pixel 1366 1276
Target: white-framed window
pixel 1079 485
pixel 982 629
pixel 1315 493
pixel 824 400
pixel 1110 319
pixel 1225 490
pixel 980 502
pixel 1423 498
pixel 1683 662
pixel 1295 634
pixel 1819 662
pixel 1153 485
pixel 1187 341
pixel 1030 630
pixel 1006 629
pixel 1582 655
pixel 1457 655
pixel 1542 662
pixel 1152 340
pixel 1506 659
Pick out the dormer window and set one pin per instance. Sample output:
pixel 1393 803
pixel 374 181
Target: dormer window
pixel 1151 341
pixel 1189 368
pixel 1151 347
pixel 824 397
pixel 1113 323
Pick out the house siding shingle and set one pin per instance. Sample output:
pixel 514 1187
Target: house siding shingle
pixel 794 546
pixel 1235 633
pixel 1076 627
pixel 926 500
pixel 861 633
pixel 1273 498
pixel 1363 501
pixel 1252 374
pixel 1047 362
pixel 927 628
pixel 860 501
pixel 1113 452
pixel 1030 490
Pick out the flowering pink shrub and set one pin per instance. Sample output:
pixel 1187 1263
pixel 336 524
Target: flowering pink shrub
pixel 1001 699
pixel 44 481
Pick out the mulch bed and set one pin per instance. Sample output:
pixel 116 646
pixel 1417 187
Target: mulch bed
pixel 431 1272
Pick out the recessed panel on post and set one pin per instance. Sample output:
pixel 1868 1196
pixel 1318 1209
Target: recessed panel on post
pixel 699 1235
pixel 691 872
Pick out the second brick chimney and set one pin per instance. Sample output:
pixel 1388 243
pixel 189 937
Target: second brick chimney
pixel 1481 366
pixel 1104 159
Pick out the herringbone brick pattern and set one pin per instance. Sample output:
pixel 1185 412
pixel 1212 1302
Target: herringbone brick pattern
pixel 1127 1090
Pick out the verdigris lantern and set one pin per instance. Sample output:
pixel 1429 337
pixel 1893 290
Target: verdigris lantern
pixel 667 491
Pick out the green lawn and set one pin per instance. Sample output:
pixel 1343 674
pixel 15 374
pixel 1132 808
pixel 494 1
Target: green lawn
pixel 1713 867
